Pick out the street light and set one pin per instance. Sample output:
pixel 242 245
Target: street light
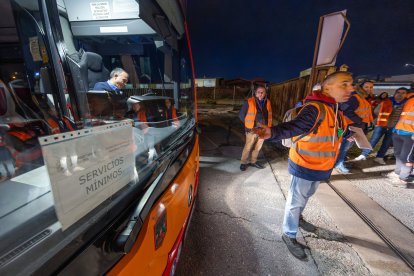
pixel 409 64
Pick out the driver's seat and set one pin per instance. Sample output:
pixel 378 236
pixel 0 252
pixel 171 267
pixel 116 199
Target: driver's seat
pixel 8 113
pixel 92 69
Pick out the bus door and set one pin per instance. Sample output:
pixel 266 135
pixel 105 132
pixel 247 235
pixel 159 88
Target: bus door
pixel 79 190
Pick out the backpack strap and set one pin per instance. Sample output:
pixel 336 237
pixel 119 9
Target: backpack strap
pixel 314 129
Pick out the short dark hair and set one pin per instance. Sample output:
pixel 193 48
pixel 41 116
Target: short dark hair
pixel 401 88
pixel 333 75
pixel 260 86
pixel 116 71
pixel 365 81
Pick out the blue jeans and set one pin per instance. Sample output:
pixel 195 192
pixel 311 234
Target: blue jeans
pixel 376 136
pixel 345 147
pixel 403 151
pixel 299 193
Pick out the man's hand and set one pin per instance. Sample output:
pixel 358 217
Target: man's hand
pixel 263 131
pixel 350 139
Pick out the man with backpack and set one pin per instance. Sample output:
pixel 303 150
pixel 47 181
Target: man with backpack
pixel 312 157
pixel 256 109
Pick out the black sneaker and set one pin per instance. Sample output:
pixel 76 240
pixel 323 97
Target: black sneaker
pixel 257 165
pixel 307 226
pixel 243 167
pixel 295 248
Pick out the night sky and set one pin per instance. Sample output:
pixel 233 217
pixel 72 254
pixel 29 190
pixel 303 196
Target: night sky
pixel 275 39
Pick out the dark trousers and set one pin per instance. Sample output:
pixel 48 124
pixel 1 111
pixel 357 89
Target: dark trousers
pixel 403 151
pixel 380 131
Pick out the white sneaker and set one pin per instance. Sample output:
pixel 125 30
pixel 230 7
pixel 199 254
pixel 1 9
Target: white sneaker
pixel 391 175
pixel 380 160
pixel 361 157
pixel 390 151
pixel 399 183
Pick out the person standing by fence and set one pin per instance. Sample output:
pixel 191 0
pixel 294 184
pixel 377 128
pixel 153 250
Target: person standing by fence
pixel 256 109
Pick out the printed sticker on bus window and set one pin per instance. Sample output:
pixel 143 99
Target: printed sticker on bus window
pixel 88 166
pixel 100 10
pixel 34 48
pixel 120 6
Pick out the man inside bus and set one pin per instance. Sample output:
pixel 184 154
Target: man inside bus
pixel 312 158
pixel 118 80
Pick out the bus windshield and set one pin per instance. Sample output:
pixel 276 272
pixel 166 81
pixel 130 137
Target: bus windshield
pixel 92 102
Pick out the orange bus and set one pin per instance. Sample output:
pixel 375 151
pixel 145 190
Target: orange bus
pixel 99 154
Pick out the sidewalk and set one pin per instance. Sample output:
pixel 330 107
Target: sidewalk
pixel 343 243
pixel 237 224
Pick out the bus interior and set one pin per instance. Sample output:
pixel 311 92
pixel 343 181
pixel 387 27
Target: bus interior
pixel 52 54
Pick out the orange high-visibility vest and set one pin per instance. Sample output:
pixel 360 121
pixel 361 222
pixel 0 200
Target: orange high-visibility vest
pixel 318 151
pixel 173 115
pixel 252 110
pixel 364 110
pixel 384 113
pixel 142 117
pixel 406 121
pixel 69 125
pixel 22 135
pixel 54 126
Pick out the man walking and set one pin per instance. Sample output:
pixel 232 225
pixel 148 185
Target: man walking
pixel 312 158
pixel 256 109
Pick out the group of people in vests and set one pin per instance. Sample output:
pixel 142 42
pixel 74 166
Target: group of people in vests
pixel 312 158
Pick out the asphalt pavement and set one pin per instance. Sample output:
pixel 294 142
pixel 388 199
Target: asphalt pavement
pixel 236 226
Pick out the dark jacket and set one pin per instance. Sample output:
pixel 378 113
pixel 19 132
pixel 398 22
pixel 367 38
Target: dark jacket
pixel 104 86
pixel 299 125
pixel 261 106
pixel 349 108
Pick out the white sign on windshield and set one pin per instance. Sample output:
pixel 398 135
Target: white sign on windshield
pixel 100 10
pixel 88 166
pixel 125 6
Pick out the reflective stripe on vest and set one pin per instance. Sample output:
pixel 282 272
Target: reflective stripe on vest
pixel 252 110
pixel 54 126
pixel 322 139
pixel 384 113
pixel 68 124
pixel 21 135
pixel 364 110
pixel 406 121
pixel 318 151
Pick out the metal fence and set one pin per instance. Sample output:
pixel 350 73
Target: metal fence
pixel 217 93
pixel 283 96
